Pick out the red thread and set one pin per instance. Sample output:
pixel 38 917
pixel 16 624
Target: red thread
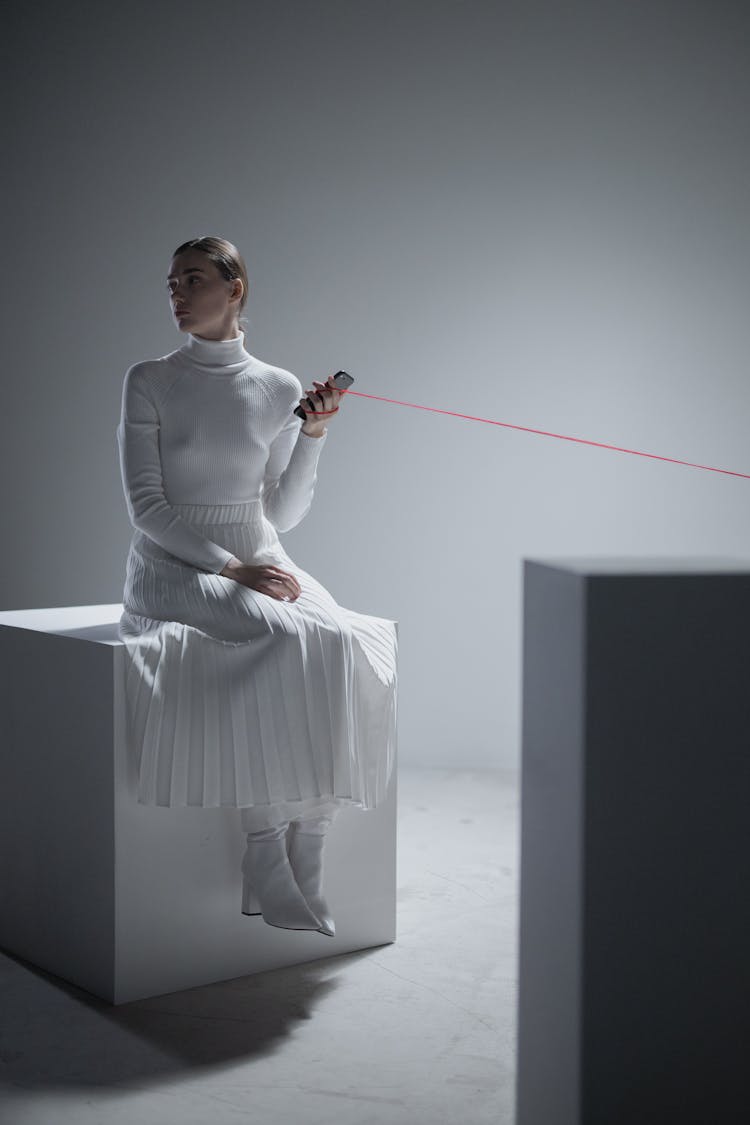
pixel 546 433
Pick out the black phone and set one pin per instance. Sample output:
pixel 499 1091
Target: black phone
pixel 342 380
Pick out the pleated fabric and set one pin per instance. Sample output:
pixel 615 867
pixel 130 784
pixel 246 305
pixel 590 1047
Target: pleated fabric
pixel 236 698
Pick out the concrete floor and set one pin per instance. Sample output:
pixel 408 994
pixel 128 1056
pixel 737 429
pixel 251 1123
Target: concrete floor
pixel 419 1032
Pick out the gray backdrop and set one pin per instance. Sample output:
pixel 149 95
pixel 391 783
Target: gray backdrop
pixel 533 212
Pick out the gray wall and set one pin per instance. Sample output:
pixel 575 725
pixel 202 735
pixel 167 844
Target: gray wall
pixel 537 213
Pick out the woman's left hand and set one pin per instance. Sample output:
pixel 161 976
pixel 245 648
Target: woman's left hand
pixel 325 398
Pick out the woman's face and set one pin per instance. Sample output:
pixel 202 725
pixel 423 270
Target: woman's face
pixel 202 301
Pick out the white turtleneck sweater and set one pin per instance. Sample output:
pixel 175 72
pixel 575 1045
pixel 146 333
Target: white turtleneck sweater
pixel 211 424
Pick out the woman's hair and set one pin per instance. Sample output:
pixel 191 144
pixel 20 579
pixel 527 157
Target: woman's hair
pixel 226 257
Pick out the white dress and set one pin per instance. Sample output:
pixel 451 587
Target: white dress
pixel 234 697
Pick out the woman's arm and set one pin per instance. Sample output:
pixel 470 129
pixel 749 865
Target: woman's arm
pixel 291 469
pixel 141 471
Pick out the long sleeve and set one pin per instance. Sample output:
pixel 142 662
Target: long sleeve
pixel 291 473
pixel 141 470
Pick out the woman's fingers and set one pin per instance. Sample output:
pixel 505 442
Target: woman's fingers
pixel 286 580
pixel 287 586
pixel 276 588
pixel 271 580
pixel 328 391
pixel 285 574
pixel 326 394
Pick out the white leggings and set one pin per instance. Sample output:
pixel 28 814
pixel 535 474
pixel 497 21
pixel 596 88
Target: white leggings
pixel 258 818
pixel 310 826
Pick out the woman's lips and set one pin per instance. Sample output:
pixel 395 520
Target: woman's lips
pixel 181 312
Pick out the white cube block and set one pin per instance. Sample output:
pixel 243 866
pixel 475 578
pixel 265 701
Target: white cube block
pixel 128 900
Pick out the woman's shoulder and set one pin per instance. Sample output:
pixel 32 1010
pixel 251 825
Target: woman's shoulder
pixel 151 376
pixel 278 382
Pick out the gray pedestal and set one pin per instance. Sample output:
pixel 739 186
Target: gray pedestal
pixel 634 938
pixel 129 900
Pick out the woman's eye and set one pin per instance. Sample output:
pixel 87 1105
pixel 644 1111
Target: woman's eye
pixel 171 288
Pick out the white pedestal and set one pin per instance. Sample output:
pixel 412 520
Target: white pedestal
pixel 128 900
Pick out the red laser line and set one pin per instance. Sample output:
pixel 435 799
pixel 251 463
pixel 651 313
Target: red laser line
pixel 545 433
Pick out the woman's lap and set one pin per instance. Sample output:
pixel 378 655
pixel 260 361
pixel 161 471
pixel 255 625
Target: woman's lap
pixel 228 610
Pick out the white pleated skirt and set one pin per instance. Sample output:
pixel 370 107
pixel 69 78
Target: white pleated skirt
pixel 237 698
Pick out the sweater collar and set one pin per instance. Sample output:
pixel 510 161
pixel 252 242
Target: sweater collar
pixel 223 356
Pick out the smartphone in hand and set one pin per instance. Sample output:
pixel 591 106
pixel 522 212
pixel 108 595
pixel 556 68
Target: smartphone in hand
pixel 342 380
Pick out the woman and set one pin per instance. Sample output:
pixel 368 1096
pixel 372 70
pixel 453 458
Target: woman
pixel 247 684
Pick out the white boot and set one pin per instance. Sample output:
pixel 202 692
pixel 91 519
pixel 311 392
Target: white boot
pixel 268 877
pixel 305 843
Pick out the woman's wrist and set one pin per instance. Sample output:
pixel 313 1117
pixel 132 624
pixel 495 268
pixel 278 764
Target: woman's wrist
pixel 314 430
pixel 231 565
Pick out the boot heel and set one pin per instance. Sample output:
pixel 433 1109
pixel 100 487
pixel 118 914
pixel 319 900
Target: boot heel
pixel 269 887
pixel 250 903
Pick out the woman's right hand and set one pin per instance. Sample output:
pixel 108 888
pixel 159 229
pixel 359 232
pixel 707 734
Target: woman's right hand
pixel 266 578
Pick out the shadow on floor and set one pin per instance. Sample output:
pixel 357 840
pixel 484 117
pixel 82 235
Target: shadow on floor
pixel 58 1035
